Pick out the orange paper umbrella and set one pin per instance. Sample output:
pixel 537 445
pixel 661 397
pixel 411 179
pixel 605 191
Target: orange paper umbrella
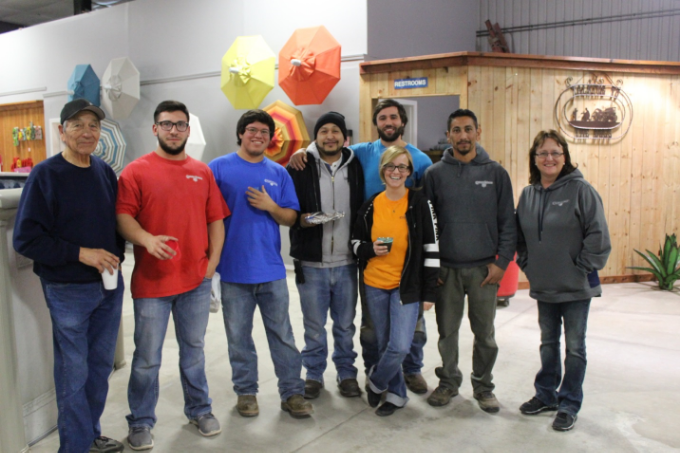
pixel 290 135
pixel 309 65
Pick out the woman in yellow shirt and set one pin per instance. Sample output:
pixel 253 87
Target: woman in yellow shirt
pixel 395 240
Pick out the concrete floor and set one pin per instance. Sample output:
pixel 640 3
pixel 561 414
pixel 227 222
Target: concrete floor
pixel 631 392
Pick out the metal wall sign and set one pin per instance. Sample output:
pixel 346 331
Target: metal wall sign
pixel 593 110
pixel 416 82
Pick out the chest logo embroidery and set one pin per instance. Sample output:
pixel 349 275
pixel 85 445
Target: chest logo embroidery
pixel 270 182
pixel 484 183
pixel 195 178
pixel 559 203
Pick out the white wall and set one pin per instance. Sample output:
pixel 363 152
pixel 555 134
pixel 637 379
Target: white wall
pixel 407 28
pixel 173 38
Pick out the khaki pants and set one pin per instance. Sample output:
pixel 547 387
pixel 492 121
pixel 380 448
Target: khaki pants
pixel 449 309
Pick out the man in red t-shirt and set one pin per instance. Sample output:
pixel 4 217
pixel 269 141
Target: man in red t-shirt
pixel 171 209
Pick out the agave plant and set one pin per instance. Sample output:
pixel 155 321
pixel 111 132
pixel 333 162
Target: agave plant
pixel 665 266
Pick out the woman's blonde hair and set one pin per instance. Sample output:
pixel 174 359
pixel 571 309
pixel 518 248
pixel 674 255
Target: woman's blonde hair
pixel 389 155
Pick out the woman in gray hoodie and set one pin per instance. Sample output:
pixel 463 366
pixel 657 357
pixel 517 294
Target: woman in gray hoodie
pixel 562 241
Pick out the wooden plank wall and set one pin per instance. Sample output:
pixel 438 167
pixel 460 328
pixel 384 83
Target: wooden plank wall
pixel 637 177
pixel 20 115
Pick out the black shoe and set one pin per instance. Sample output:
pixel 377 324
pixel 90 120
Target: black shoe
pixel 535 406
pixel 386 409
pixel 312 389
pixel 373 398
pixel 564 421
pixel 349 388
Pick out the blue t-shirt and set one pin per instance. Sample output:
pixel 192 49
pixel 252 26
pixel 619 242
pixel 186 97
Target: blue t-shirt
pixel 369 155
pixel 252 246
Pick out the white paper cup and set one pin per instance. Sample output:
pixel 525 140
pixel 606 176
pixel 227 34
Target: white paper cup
pixel 110 281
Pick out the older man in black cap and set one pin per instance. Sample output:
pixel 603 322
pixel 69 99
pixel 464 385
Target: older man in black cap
pixel 66 223
pixel 331 183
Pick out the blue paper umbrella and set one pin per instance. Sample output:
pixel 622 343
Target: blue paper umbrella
pixel 84 83
pixel 111 147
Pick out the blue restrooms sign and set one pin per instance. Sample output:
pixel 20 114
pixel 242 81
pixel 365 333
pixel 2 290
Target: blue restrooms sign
pixel 404 84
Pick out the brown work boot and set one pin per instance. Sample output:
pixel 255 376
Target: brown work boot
pixel 349 388
pixel 297 406
pixel 247 406
pixel 441 396
pixel 312 389
pixel 487 401
pixel 416 383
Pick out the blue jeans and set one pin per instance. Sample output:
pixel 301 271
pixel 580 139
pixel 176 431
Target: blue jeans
pixel 238 306
pixel 333 289
pixel 413 363
pixel 190 312
pixel 550 316
pixel 394 325
pixel 85 321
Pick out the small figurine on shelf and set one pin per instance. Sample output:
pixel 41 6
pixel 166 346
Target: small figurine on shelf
pixel 21 135
pixel 31 132
pixel 15 136
pixel 38 133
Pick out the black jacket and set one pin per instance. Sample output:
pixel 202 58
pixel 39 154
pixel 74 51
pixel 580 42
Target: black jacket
pixel 305 243
pixel 421 269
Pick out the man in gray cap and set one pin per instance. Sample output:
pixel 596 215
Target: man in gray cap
pixel 325 269
pixel 66 223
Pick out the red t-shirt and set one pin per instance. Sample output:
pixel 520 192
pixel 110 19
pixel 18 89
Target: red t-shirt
pixel 174 198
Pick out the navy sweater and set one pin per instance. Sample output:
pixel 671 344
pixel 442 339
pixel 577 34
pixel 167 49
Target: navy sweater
pixel 62 208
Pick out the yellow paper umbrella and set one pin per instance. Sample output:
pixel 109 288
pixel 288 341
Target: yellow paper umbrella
pixel 290 135
pixel 248 72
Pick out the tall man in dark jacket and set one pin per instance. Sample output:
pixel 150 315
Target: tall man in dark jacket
pixel 472 196
pixel 326 272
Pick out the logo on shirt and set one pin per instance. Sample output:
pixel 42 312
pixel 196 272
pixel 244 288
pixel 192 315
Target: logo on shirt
pixel 195 178
pixel 484 183
pixel 559 203
pixel 270 182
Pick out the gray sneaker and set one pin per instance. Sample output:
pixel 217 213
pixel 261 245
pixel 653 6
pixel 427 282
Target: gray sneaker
pixel 207 425
pixel 487 402
pixel 139 438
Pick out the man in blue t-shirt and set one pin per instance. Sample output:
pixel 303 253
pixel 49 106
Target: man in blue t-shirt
pixel 389 117
pixel 261 196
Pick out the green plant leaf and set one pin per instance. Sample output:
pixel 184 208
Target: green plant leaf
pixel 656 262
pixel 666 249
pixel 652 260
pixel 638 268
pixel 671 260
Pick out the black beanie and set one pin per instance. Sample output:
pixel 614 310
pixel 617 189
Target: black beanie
pixel 333 118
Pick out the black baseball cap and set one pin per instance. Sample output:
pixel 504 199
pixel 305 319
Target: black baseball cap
pixel 76 106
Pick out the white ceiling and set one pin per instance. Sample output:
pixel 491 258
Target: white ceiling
pixel 32 12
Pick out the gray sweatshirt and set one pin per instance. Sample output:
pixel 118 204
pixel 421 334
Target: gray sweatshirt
pixel 334 187
pixel 563 236
pixel 475 210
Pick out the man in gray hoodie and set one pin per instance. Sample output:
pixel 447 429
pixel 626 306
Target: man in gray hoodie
pixel 325 268
pixel 472 197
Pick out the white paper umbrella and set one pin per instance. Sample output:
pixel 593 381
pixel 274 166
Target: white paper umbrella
pixel 120 88
pixel 196 143
pixel 111 146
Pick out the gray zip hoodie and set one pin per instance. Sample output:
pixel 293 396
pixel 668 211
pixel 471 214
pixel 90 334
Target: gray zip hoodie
pixel 475 210
pixel 563 236
pixel 335 197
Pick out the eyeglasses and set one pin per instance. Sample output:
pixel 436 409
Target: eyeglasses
pixel 392 167
pixel 181 126
pixel 553 154
pixel 255 131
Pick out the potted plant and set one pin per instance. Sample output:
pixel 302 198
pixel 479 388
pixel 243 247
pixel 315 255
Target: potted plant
pixel 665 266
